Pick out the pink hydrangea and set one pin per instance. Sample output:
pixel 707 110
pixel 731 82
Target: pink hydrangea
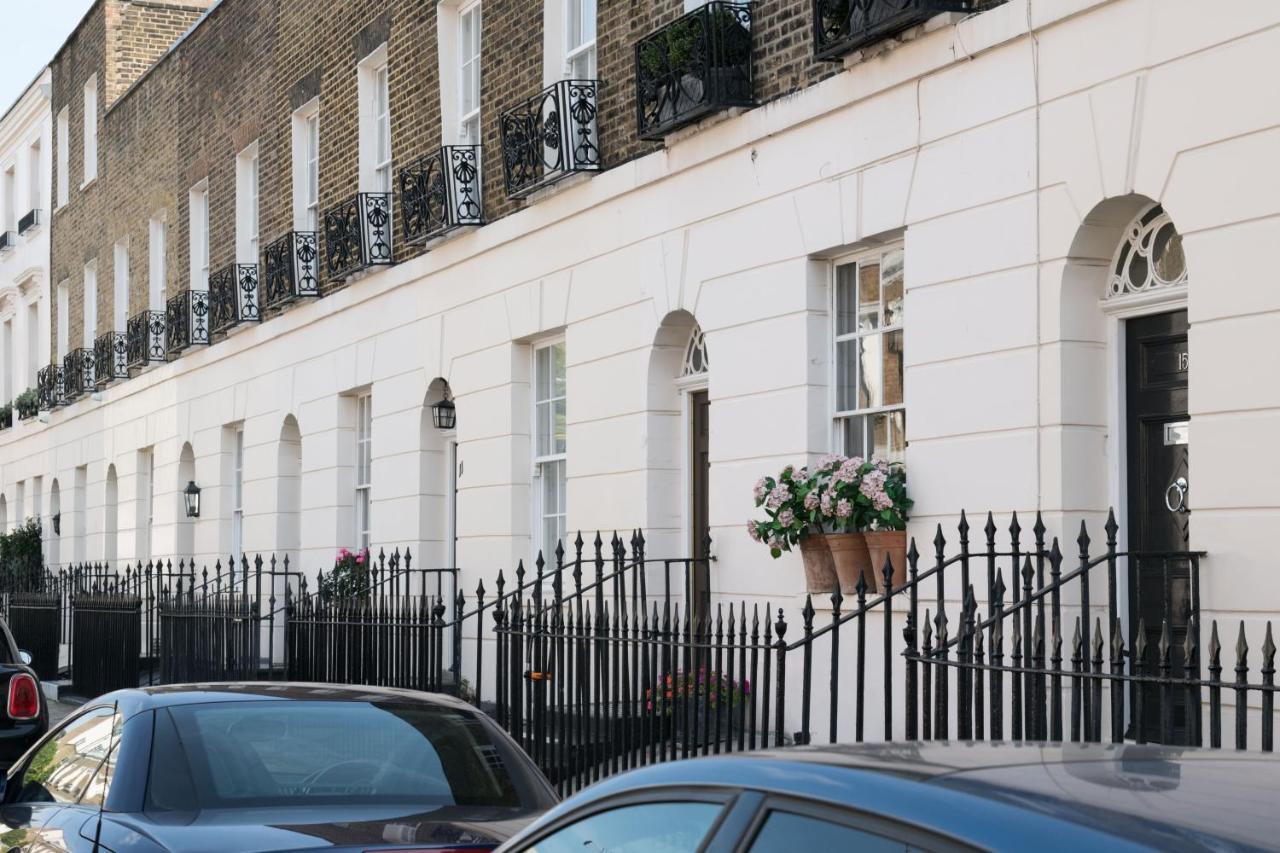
pixel 753 531
pixel 826 503
pixel 811 500
pixel 760 489
pixel 830 461
pixel 844 509
pixel 786 518
pixel 780 495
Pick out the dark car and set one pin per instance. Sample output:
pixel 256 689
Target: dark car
pixel 273 766
pixel 26 715
pixel 911 796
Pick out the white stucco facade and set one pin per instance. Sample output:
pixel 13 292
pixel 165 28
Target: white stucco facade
pixel 1008 151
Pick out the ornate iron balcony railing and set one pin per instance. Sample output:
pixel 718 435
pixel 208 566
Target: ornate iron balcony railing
pixel 31 220
pixel 146 339
pixel 697 65
pixel 49 389
pixel 843 26
pixel 110 357
pixel 441 192
pixel 291 267
pixel 187 321
pixel 233 297
pixel 551 136
pixel 78 368
pixel 357 234
pixel 8 239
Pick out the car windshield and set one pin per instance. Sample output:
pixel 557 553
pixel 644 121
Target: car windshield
pixel 280 753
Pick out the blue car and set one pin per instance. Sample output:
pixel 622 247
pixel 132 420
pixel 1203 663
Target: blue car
pixel 935 796
pixel 271 767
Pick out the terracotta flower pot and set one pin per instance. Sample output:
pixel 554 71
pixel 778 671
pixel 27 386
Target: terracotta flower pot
pixel 891 544
pixel 849 550
pixel 819 570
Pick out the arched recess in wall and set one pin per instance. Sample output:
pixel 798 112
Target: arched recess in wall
pixel 185 535
pixel 676 415
pixel 437 481
pixel 110 515
pixel 289 491
pixel 53 536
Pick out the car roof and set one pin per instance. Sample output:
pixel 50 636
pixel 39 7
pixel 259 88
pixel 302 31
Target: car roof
pixel 131 701
pixel 1004 794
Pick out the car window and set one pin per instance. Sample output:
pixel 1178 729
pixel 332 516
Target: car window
pixel 61 769
pixel 781 830
pixel 95 793
pixel 237 754
pixel 642 828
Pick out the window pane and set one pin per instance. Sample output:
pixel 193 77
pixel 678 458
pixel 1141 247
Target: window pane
pixel 557 426
pixel 846 371
pixel 557 375
pixel 574 23
pixel 870 372
pixel 868 296
pixel 891 282
pixel 892 364
pixel 647 828
pixel 846 298
pixel 889 435
pixel 782 829
pixel 853 441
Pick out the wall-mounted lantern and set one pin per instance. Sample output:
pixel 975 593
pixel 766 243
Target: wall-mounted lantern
pixel 57 524
pixel 191 496
pixel 443 414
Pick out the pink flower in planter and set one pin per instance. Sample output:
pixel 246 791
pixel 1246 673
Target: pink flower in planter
pixel 826 503
pixel 811 500
pixel 359 559
pixel 844 509
pixel 780 495
pixel 786 518
pixel 753 532
pixel 760 489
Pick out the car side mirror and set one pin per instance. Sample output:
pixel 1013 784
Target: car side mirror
pixel 25 657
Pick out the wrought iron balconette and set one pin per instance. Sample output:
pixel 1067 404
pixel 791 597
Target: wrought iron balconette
pixel 31 220
pixel 233 297
pixel 441 192
pixel 357 234
pixel 146 340
pixel 78 368
pixel 8 239
pixel 49 389
pixel 551 136
pixel 843 26
pixel 697 65
pixel 110 358
pixel 291 267
pixel 187 321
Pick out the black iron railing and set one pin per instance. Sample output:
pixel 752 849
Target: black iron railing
pixel 8 239
pixel 233 297
pixel 441 192
pixel 30 220
pixel 551 136
pixel 843 26
pixel 110 358
pixel 146 340
pixel 697 65
pixel 78 368
pixel 187 321
pixel 357 234
pixel 291 268
pixel 49 387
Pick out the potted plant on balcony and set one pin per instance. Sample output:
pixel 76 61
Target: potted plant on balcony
pixel 884 518
pixel 27 404
pixel 6 416
pixel 791 503
pixel 698 57
pixel 698 703
pixel 349 577
pixel 838 502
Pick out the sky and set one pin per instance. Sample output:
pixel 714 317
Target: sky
pixel 36 29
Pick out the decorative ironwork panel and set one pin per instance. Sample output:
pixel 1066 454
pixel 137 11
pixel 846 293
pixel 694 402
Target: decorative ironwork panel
pixel 441 192
pixel 110 357
pixel 233 297
pixel 1150 258
pixel 49 387
pixel 843 26
pixel 8 239
pixel 146 340
pixel 29 221
pixel 291 268
pixel 188 321
pixel 551 136
pixel 78 368
pixel 697 65
pixel 357 234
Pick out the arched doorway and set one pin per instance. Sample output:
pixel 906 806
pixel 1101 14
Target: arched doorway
pixel 289 491
pixel 110 516
pixel 184 535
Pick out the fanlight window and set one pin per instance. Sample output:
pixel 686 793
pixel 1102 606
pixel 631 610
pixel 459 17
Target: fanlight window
pixel 695 355
pixel 1150 258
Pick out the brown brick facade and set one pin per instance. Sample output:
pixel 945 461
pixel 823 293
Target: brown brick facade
pixel 239 75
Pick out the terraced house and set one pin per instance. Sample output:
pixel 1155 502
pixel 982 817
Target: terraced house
pixel 464 275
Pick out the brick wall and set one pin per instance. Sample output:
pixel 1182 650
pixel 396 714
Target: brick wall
pixel 240 74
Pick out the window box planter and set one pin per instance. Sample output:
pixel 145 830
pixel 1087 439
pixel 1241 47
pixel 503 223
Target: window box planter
pixel 441 192
pixel 187 321
pixel 843 26
pixel 697 65
pixel 357 234
pixel 291 268
pixel 27 404
pixel 233 297
pixel 6 416
pixel 550 137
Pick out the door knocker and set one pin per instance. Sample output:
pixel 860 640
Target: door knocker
pixel 1175 497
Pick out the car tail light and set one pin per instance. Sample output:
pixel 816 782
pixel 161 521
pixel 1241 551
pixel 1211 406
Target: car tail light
pixel 24 697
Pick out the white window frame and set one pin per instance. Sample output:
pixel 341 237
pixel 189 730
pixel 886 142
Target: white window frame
pixel 35 175
pixel 247 209
pixel 469 71
pixel 157 240
pixel 32 328
pixel 237 493
pixel 868 412
pixel 542 420
pixel 90 130
pixel 198 231
pixel 306 166
pixel 580 11
pixel 6 353
pixel 151 500
pixel 64 318
pixel 90 301
pixel 9 191
pixel 63 144
pixel 363 506
pixel 375 147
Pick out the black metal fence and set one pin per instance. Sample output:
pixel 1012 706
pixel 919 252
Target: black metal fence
pixel 35 617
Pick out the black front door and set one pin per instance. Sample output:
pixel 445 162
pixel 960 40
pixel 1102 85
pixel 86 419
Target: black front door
pixel 700 501
pixel 1157 363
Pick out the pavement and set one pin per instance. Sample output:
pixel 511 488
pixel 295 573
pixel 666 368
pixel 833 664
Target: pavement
pixel 59 710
